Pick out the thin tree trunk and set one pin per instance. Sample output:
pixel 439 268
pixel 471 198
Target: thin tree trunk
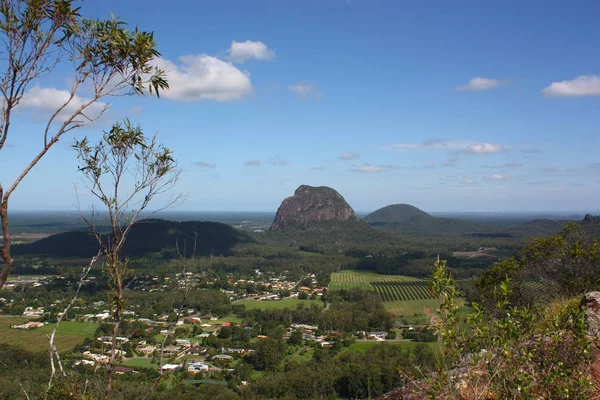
pixel 113 352
pixel 6 258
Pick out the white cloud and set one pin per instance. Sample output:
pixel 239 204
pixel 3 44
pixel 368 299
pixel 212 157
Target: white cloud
pixel 468 181
pixel 253 163
pixel 349 156
pixel 583 85
pixel 496 177
pixel 305 90
pixel 248 50
pixel 203 77
pixel 456 146
pixel 51 99
pixel 317 169
pixel 368 169
pixel 480 84
pixel 204 164
pixel 482 148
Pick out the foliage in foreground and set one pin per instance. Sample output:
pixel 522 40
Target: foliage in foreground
pixel 512 351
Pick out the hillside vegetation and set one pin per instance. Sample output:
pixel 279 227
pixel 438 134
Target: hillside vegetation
pixel 146 236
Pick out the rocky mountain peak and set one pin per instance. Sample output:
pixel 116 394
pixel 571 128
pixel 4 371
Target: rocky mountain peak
pixel 311 204
pixel 589 218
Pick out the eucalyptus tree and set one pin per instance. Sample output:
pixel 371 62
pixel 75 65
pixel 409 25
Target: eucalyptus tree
pixel 125 171
pixel 43 38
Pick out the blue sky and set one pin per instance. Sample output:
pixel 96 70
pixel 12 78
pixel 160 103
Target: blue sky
pixel 449 106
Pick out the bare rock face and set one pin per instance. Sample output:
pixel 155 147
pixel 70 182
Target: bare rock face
pixel 311 204
pixel 591 305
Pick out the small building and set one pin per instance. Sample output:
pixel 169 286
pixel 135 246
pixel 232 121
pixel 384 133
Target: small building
pixel 171 367
pixel 222 357
pixel 28 325
pixel 183 342
pixel 196 367
pixel 33 312
pixel 196 351
pixel 377 335
pixel 171 349
pixel 147 350
pixel 124 370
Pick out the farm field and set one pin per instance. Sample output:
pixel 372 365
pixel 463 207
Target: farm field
pixel 270 304
pixel 351 279
pixel 401 295
pixel 68 337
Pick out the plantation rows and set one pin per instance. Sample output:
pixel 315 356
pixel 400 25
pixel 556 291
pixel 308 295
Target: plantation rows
pixel 347 278
pixel 393 291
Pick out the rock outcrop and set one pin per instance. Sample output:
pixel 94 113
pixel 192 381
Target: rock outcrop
pixel 591 305
pixel 310 205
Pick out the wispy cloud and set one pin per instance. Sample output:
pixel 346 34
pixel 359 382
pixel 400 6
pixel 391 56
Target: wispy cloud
pixel 349 156
pixel 203 164
pixel 367 169
pixel 252 163
pixel 532 151
pixel 392 166
pixel 455 146
pixel 480 83
pixel 318 169
pixel 305 90
pixel 278 161
pixel 508 165
pixel 136 110
pixel 240 52
pixel 468 181
pixel 496 177
pixel 583 85
pixel 545 182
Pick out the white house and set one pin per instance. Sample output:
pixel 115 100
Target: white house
pixel 197 367
pixel 171 367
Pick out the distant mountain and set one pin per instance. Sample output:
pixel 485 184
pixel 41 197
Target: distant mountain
pixel 591 224
pixel 407 219
pixel 395 213
pixel 313 205
pixel 146 236
pixel 319 219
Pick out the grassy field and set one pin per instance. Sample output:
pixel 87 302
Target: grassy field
pixel 69 335
pixel 140 362
pixel 82 329
pixel 366 345
pixel 410 307
pixel 270 304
